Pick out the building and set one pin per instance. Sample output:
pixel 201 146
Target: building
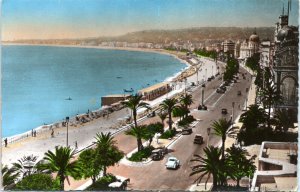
pixel 228 47
pixel 237 49
pixel 249 46
pixel 277 167
pixel 286 60
pixel 111 99
pixel 155 91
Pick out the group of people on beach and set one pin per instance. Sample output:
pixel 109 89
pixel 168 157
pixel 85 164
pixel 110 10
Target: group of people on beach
pixel 33 133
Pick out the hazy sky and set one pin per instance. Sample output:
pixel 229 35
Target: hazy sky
pixel 42 19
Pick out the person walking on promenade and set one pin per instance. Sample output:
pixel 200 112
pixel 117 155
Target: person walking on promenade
pixel 32 132
pixel 76 145
pixel 52 133
pixel 5 142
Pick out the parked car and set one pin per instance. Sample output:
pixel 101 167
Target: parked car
pixel 198 139
pixel 239 93
pixel 172 163
pixel 203 85
pixel 224 111
pixel 157 154
pixel 187 131
pixel 219 90
pixel 120 184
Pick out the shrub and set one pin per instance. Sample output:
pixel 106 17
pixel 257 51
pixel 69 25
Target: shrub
pixel 43 182
pixel 102 183
pixel 140 155
pixel 168 134
pixel 186 121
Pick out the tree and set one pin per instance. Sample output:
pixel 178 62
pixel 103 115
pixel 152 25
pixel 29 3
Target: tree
pixel 282 120
pixel 60 162
pixel 179 111
pixel 138 132
pixel 169 105
pixel 239 165
pixel 151 130
pixel 186 100
pixel 9 177
pixel 270 96
pixel 108 154
pixel 253 62
pixel 88 164
pixel 162 115
pixel 38 182
pixel 222 128
pixel 209 165
pixel 134 103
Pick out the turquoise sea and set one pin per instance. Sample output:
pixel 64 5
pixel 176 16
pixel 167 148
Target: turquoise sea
pixel 37 80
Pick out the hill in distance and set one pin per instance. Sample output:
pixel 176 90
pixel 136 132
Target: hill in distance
pixel 203 34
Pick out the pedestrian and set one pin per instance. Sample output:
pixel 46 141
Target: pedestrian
pixel 34 133
pixel 5 142
pixel 76 145
pixel 52 133
pixel 239 106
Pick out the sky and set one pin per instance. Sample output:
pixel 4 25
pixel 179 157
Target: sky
pixel 56 19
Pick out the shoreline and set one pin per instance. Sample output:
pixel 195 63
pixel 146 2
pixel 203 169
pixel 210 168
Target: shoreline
pixel 179 76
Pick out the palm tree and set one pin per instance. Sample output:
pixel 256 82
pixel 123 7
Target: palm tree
pixel 60 162
pixel 240 166
pixel 282 120
pixel 9 176
pixel 222 128
pixel 169 105
pixel 209 165
pixel 138 132
pixel 162 116
pixel 134 103
pixel 108 154
pixel 186 100
pixel 270 96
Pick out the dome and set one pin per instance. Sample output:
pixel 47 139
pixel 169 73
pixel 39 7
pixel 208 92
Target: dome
pixel 285 33
pixel 254 37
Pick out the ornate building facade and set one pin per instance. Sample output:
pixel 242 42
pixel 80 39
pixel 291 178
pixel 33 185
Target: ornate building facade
pixel 249 46
pixel 285 67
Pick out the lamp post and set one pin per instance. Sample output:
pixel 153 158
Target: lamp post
pixel 208 133
pixel 205 74
pixel 232 112
pixel 212 70
pixel 67 122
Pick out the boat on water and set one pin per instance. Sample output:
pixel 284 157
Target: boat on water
pixel 69 98
pixel 128 91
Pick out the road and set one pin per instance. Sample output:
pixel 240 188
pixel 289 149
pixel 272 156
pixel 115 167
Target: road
pixel 155 176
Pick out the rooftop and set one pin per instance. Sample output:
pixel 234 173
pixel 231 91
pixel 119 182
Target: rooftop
pixel 153 87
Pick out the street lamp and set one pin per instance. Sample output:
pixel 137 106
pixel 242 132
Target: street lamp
pixel 67 122
pixel 208 133
pixel 232 112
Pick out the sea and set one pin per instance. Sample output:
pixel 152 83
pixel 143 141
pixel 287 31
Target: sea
pixel 45 84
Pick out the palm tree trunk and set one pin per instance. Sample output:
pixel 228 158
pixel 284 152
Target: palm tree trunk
pixel 238 182
pixel 170 120
pixel 269 116
pixel 104 171
pixel 134 118
pixel 140 144
pixel 223 149
pixel 62 182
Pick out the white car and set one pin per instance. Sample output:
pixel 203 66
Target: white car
pixel 172 163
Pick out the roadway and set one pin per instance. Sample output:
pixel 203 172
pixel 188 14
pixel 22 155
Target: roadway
pixel 154 176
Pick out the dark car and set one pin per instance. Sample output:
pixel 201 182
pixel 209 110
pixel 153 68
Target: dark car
pixel 239 93
pixel 187 131
pixel 157 154
pixel 224 111
pixel 203 85
pixel 198 139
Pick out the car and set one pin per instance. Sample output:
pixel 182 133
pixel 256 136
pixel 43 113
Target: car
pixel 239 93
pixel 224 111
pixel 157 154
pixel 120 184
pixel 172 163
pixel 198 139
pixel 219 90
pixel 203 85
pixel 187 131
